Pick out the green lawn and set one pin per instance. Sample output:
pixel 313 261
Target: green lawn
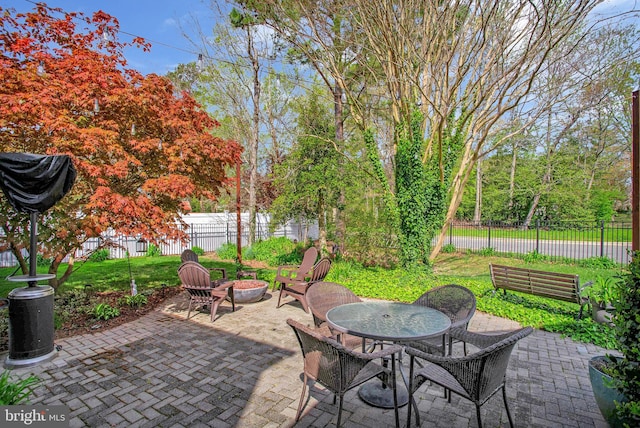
pixel 469 270
pixel 591 234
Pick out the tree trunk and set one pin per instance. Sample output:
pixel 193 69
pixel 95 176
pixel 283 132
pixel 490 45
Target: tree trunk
pixel 341 227
pixel 512 177
pixel 255 137
pixel 477 214
pixel 532 210
pixel 457 186
pixel 322 224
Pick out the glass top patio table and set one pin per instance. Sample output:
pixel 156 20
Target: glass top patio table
pixel 388 321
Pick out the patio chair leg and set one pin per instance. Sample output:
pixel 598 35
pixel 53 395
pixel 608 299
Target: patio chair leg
pixel 395 390
pixel 280 295
pixel 478 416
pixel 339 412
pixel 506 405
pixel 412 401
pixel 233 300
pixel 304 389
pixel 214 309
pixel 189 311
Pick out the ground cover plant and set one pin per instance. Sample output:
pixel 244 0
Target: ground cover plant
pixel 110 284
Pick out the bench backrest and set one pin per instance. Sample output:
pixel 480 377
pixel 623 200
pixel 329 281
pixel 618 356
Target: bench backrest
pixel 561 286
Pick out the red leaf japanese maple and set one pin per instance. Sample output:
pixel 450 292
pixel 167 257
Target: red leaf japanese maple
pixel 139 147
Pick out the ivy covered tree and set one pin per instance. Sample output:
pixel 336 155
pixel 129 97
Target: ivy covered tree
pixel 140 148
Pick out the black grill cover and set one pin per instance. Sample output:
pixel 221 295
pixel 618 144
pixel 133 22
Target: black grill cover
pixel 34 183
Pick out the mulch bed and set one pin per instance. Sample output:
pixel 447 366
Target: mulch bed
pixel 85 323
pixel 78 323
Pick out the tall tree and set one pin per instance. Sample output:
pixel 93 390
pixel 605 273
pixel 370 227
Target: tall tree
pixel 247 23
pixel 309 175
pixel 463 64
pixel 139 149
pixel 320 35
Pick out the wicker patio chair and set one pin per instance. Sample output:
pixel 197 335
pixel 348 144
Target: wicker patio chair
pixel 298 288
pixel 196 280
pixel 456 302
pixel 476 377
pixel 327 295
pixel 340 369
pixel 288 273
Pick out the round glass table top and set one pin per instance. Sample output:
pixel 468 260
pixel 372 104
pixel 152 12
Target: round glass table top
pixel 392 321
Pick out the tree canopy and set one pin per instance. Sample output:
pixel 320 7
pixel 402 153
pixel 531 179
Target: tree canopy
pixel 141 148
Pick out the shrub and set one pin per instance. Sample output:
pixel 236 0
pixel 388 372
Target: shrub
pixel 486 251
pixel 135 301
pixel 199 251
pixel 153 251
pixel 534 257
pixel 449 248
pixel 597 263
pixel 100 255
pixel 276 251
pixel 627 329
pixel 104 311
pixel 16 392
pixel 42 261
pixel 227 251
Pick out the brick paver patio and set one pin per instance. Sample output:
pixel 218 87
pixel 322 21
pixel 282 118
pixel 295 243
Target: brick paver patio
pixel 244 370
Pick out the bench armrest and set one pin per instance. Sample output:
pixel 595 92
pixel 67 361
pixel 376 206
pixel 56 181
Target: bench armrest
pixel 585 285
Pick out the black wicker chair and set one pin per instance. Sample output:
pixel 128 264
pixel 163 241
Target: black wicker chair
pixel 476 377
pixel 324 296
pixel 456 302
pixel 340 369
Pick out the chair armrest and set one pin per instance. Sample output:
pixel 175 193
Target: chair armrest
pixel 286 270
pixel 370 356
pixel 223 271
pixel 478 339
pixel 584 286
pixel 223 286
pixel 432 358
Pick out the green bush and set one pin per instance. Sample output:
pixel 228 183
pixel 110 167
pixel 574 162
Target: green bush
pixel 153 251
pixel 16 392
pixel 273 251
pixel 104 311
pixel 627 328
pixel 535 257
pixel 486 251
pixel 42 261
pixel 135 301
pixel 227 251
pixel 597 263
pixel 100 255
pixel 199 251
pixel 449 248
pixel 276 251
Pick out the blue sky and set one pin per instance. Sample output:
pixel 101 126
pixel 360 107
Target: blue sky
pixel 155 20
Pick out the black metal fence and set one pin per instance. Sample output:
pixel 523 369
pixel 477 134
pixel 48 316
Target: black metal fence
pixel 566 241
pixel 209 237
pixel 569 241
